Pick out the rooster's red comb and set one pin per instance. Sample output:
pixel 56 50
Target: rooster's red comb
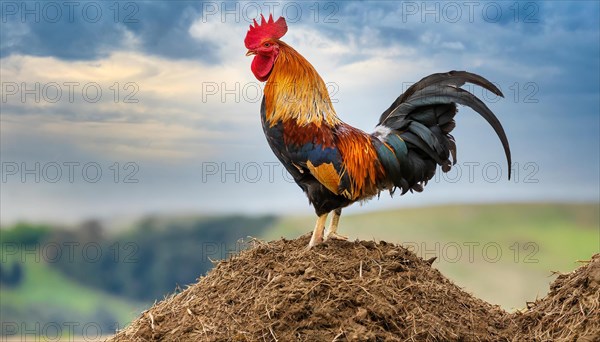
pixel 266 29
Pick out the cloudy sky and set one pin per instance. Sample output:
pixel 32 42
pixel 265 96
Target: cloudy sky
pixel 121 109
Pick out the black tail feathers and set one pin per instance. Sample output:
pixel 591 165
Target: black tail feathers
pixel 415 129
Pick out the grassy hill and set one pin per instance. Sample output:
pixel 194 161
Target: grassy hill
pixel 46 287
pixel 504 253
pixel 47 302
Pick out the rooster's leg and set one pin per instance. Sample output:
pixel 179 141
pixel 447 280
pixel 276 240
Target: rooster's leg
pixel 332 230
pixel 317 235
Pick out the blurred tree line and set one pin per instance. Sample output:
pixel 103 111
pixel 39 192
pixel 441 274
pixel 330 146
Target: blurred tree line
pixel 144 263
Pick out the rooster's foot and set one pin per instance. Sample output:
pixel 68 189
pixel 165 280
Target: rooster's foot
pixel 336 236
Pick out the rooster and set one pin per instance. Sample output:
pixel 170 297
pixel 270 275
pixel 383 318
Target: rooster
pixel 336 164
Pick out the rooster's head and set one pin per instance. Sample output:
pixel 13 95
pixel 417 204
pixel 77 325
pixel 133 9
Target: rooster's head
pixel 262 41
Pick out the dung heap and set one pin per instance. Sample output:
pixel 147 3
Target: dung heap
pixel 570 311
pixel 352 291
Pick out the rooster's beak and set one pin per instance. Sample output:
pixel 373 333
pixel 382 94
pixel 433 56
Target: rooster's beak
pixel 250 53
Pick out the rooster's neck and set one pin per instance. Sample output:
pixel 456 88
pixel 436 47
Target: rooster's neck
pixel 295 91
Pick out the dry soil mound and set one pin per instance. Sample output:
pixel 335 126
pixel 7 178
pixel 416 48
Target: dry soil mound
pixel 354 291
pixel 570 312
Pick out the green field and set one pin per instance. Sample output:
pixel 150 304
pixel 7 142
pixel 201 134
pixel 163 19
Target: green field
pixel 503 253
pixel 48 303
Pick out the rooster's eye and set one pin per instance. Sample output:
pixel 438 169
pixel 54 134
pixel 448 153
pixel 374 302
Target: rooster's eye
pixel 267 44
